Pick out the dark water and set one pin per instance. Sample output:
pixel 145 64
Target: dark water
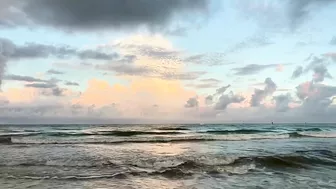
pixel 168 156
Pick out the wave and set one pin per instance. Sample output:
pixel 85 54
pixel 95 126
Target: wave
pixel 173 129
pixel 201 138
pixel 214 165
pixel 238 131
pixel 312 134
pixel 100 133
pixel 309 129
pixel 5 140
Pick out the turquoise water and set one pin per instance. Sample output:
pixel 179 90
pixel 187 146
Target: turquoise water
pixel 168 156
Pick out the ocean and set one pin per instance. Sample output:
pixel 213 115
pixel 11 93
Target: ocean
pixel 168 156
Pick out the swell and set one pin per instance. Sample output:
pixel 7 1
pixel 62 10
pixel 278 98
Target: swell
pixel 237 165
pixel 295 159
pixel 100 133
pixel 173 139
pixel 238 131
pixel 169 173
pixel 312 135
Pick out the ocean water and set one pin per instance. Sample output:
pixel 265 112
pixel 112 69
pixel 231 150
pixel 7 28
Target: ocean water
pixel 168 156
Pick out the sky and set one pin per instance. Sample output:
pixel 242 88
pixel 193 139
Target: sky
pixel 167 61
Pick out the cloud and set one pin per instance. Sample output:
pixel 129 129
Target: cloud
pixel 35 50
pixel 291 14
pixel 227 99
pixel 41 85
pixel 56 72
pixel 182 76
pixel 313 62
pixel 12 77
pixel 251 42
pixel 6 50
pixel 333 41
pixel 105 14
pixel 96 55
pixel 202 85
pixel 252 69
pixel 206 83
pixel 126 69
pixel 259 95
pixel 315 97
pixel 320 72
pixel 209 59
pixel 136 98
pixel 221 90
pixel 299 10
pixel 332 56
pixel 209 100
pixel 297 72
pixel 192 103
pixel 210 80
pixel 282 102
pixel 151 51
pixel 55 91
pixel 69 83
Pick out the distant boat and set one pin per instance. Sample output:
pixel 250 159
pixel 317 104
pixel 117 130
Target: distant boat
pixel 272 122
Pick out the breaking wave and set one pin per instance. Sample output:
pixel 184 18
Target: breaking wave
pixel 209 165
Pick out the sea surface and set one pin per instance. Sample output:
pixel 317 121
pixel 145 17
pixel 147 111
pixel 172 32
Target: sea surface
pixel 168 156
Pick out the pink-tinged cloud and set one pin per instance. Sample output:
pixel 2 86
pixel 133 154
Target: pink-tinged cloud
pixel 138 96
pixel 280 68
pixel 20 95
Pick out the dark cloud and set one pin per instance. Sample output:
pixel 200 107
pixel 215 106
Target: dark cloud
pixel 320 72
pixel 315 61
pixel 103 14
pixel 6 50
pixel 34 50
pixel 56 92
pixel 297 72
pixel 56 72
pixel 191 103
pixel 48 88
pixel 227 99
pixel 41 85
pixel 221 90
pixel 259 95
pixel 300 10
pixel 214 97
pixel 69 83
pixel 22 78
pixel 252 69
pixel 333 41
pixel 96 55
pixel 209 100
